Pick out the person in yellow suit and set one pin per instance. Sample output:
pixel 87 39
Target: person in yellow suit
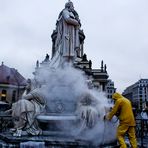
pixel 123 110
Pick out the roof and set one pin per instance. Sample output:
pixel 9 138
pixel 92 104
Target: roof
pixel 11 76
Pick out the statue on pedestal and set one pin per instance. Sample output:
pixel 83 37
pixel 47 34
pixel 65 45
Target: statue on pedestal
pixel 68 24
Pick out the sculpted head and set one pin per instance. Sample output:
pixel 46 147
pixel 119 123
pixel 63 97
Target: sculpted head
pixel 31 85
pixel 28 85
pixel 69 5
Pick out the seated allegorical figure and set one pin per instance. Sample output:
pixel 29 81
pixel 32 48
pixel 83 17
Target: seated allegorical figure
pixel 27 108
pixel 87 110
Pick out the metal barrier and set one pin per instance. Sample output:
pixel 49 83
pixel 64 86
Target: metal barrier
pixel 5 122
pixel 141 129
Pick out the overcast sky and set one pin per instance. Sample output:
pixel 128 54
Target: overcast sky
pixel 116 32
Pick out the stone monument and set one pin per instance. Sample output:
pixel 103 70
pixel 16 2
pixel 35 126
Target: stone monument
pixel 68 37
pixel 63 103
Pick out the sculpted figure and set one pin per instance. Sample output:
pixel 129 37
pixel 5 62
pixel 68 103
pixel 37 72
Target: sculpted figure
pixel 87 110
pixel 26 109
pixel 68 24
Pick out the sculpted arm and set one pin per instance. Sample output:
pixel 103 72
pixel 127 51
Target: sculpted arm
pixel 68 19
pixel 27 97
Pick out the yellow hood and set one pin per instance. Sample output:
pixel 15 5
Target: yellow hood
pixel 116 96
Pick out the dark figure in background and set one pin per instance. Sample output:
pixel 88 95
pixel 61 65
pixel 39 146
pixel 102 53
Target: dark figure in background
pixel 146 108
pixel 144 115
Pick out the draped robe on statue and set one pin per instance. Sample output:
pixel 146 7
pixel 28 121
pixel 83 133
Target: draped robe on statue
pixel 67 41
pixel 26 110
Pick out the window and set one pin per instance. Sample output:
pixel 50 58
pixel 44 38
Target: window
pixel 13 96
pixel 3 95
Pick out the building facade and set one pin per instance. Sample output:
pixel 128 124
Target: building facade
pixel 110 89
pixel 137 93
pixel 12 84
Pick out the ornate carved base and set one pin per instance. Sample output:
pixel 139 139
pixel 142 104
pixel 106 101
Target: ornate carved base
pixel 61 141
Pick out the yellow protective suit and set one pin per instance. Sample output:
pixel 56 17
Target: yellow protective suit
pixel 123 110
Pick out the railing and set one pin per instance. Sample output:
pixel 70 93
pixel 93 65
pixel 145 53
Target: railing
pixel 6 122
pixel 141 130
